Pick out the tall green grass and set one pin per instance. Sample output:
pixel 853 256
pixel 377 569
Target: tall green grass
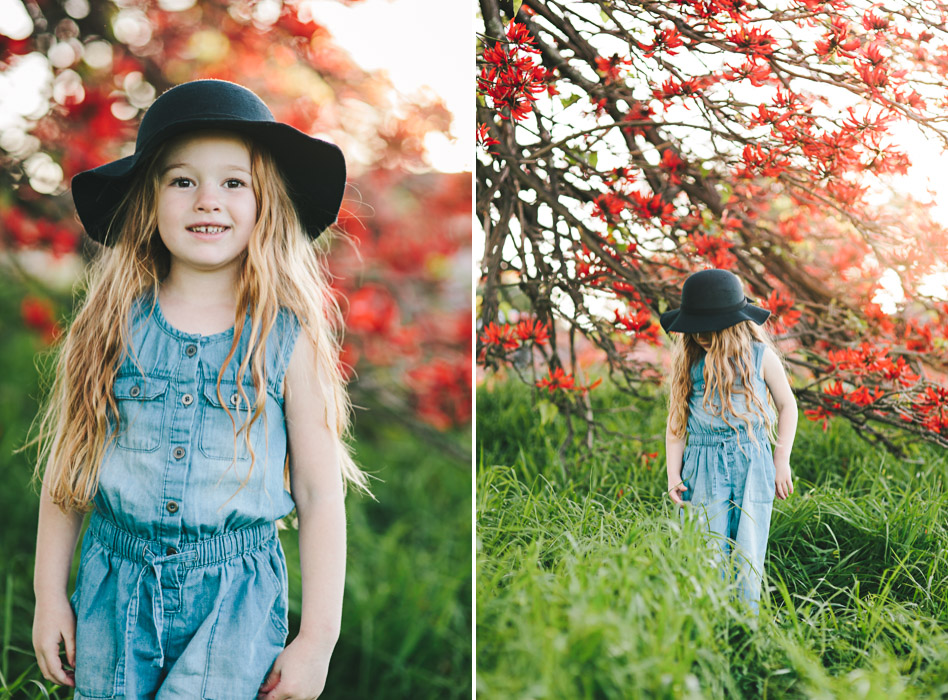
pixel 586 593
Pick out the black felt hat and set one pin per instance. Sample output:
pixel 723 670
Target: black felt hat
pixel 314 170
pixel 711 300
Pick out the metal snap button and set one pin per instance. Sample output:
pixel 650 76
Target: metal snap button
pixel 187 399
pixel 191 350
pixel 179 452
pixel 234 399
pixel 172 507
pixel 170 551
pixel 135 391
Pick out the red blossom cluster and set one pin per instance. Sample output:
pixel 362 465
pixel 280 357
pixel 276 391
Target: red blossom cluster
pixel 783 315
pixel 38 314
pixel 932 407
pixel 506 337
pixel 638 323
pixel 441 392
pixel 559 380
pixel 26 231
pixel 610 68
pixel 755 42
pixel 665 41
pixel 510 77
pixel 716 249
pixel 837 40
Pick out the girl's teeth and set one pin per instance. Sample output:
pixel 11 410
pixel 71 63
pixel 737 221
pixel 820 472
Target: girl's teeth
pixel 208 229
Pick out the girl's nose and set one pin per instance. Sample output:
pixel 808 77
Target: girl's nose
pixel 206 199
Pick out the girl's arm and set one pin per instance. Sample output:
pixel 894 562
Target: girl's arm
pixel 54 620
pixel 316 483
pixel 674 451
pixel 776 380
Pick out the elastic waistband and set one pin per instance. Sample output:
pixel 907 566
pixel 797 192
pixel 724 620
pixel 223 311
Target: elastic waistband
pixel 193 554
pixel 721 437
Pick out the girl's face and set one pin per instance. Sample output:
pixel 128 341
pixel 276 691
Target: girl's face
pixel 206 205
pixel 703 339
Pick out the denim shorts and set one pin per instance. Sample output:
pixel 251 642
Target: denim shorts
pixel 204 621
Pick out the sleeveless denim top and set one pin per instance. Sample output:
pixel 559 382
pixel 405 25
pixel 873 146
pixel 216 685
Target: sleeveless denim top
pixel 700 420
pixel 171 474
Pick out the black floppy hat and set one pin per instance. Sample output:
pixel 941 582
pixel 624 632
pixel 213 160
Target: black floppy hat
pixel 711 300
pixel 314 170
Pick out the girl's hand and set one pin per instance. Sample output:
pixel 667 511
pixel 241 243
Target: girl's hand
pixel 784 482
pixel 53 622
pixel 299 673
pixel 675 489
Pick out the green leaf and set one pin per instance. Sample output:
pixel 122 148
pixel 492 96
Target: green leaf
pixel 516 6
pixel 593 159
pixel 548 411
pixel 569 101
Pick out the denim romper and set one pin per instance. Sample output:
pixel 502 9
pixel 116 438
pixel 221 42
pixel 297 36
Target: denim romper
pixel 182 585
pixel 730 480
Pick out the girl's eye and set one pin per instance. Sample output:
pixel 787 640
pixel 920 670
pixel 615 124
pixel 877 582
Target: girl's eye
pixel 184 182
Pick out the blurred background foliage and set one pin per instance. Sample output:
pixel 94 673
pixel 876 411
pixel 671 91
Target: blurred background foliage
pixel 72 91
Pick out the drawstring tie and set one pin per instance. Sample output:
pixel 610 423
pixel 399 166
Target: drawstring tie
pixel 152 563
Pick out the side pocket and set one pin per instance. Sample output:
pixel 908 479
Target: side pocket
pixel 248 633
pixel 98 629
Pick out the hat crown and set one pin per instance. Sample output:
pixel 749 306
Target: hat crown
pixel 711 290
pixel 199 100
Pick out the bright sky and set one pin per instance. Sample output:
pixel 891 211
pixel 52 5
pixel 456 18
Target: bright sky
pixel 379 34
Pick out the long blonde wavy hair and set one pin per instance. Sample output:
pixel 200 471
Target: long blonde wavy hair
pixel 729 358
pixel 282 266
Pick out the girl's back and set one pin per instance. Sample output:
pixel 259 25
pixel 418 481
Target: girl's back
pixel 710 416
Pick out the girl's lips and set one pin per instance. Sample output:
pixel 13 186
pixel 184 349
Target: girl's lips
pixel 208 235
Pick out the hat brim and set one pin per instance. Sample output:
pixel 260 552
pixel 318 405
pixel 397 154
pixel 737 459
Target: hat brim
pixel 677 321
pixel 314 171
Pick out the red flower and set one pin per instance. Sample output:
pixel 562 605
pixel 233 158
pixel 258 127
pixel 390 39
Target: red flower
pixel 610 67
pixel 874 23
pixel 484 138
pixel 557 379
pixel 755 42
pixel 673 165
pixel 863 397
pixel 610 204
pixel 442 391
pixel 664 41
pixel 715 249
pixel 500 335
pixel 781 306
pixel 372 309
pixel 757 73
pixel 532 330
pixel 38 315
pixel 836 40
pixel 817 414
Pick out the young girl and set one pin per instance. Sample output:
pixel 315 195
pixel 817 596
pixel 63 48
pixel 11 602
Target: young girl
pixel 198 399
pixel 722 367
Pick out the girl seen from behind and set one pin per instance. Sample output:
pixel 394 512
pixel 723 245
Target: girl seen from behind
pixel 720 423
pixel 198 398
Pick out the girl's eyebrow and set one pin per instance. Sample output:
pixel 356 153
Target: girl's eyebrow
pixel 172 166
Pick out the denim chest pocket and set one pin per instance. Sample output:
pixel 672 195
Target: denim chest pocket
pixel 141 409
pixel 218 423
